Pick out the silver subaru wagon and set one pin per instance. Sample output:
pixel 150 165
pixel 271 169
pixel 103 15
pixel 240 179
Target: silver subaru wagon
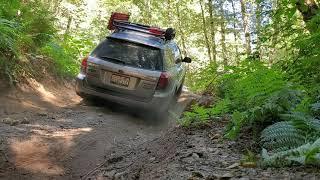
pixel 137 66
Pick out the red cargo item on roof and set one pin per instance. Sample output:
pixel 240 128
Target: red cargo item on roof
pixel 156 31
pixel 118 17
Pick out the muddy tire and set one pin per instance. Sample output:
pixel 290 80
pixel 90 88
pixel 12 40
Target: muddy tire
pixel 179 90
pixel 87 100
pixel 160 116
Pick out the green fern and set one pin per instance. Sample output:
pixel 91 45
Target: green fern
pixel 309 126
pixel 238 120
pixel 306 154
pixel 298 130
pixel 315 108
pixel 198 115
pixel 221 107
pixel 256 117
pixel 281 136
pixel 294 141
pixel 8 35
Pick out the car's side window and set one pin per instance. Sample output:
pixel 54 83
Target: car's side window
pixel 169 58
pixel 177 54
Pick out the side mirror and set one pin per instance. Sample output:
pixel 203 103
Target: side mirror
pixel 186 60
pixel 178 61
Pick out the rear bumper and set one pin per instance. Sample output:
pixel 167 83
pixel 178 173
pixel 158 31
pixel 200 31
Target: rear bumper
pixel 159 101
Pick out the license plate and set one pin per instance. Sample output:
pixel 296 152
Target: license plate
pixel 120 80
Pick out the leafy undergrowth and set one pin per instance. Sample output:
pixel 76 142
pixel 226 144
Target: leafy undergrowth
pixel 273 94
pixel 30 45
pixel 281 116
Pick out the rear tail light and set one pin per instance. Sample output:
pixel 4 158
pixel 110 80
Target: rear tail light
pixel 163 80
pixel 84 65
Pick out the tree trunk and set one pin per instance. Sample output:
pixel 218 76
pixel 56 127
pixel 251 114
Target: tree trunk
pixel 274 37
pixel 182 35
pixel 235 32
pixel 205 32
pixel 223 35
pixel 308 9
pixel 258 27
pixel 168 13
pixel 213 33
pixel 149 6
pixel 147 13
pixel 246 24
pixel 66 33
pixel 56 5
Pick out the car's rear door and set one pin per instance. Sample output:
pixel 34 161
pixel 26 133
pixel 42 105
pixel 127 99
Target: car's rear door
pixel 171 65
pixel 180 68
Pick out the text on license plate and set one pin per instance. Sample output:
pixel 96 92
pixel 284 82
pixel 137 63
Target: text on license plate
pixel 120 80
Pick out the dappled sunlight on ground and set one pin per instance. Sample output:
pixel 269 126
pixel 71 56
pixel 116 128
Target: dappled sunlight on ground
pixel 53 96
pixel 36 96
pixel 64 133
pixel 43 92
pixel 30 104
pixel 182 99
pixel 42 152
pixel 187 96
pixel 33 155
pixel 64 120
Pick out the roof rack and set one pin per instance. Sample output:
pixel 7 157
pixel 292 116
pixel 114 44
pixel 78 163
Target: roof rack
pixel 140 28
pixel 121 21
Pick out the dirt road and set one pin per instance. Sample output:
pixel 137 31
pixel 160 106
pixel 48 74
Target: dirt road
pixel 49 133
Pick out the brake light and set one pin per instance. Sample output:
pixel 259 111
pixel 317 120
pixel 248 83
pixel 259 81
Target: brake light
pixel 163 80
pixel 84 65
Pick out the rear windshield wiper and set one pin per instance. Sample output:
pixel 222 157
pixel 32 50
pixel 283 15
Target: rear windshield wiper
pixel 113 59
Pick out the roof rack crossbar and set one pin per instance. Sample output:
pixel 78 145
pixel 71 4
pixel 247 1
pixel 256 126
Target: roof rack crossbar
pixel 137 27
pixel 138 30
pixel 117 22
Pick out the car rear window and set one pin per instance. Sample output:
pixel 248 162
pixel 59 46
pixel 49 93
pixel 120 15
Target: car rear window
pixel 128 53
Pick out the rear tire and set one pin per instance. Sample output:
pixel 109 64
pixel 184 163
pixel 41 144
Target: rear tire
pixel 87 100
pixel 179 90
pixel 161 114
